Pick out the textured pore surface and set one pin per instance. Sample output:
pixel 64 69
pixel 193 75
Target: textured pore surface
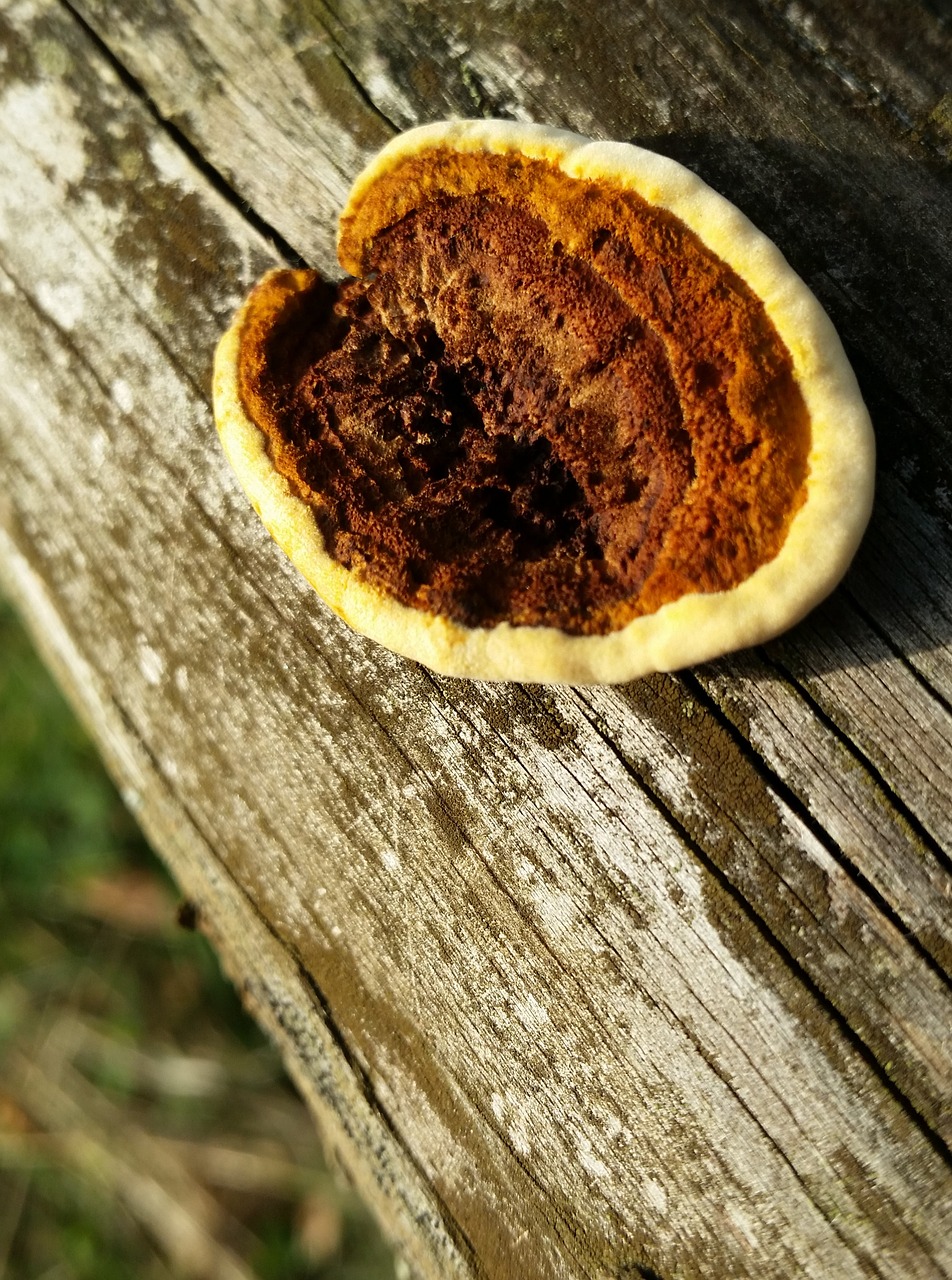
pixel 508 419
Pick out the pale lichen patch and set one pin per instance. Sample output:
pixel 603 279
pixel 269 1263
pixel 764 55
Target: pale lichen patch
pixel 44 115
pixel 64 301
pixel 655 1195
pixel 123 395
pixel 589 1160
pixel 53 58
pixel 514 1113
pixel 98 448
pixel 151 662
pixel 530 1013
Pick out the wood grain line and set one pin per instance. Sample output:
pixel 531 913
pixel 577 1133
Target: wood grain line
pixel 929 842
pixel 798 805
pixel 920 676
pixel 215 178
pixel 934 1136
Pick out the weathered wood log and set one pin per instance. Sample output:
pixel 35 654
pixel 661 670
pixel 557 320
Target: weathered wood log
pixel 647 981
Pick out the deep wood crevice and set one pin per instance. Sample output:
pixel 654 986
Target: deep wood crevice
pixel 921 833
pixel 359 89
pixel 882 633
pixel 215 178
pixel 791 962
pixel 797 806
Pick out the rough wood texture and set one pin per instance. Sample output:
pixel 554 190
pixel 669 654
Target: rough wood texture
pixel 640 982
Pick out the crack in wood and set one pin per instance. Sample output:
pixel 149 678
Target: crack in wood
pixel 785 18
pixel 215 178
pixel 447 1220
pixel 769 1138
pixel 787 796
pixel 883 634
pixel 823 1000
pixel 361 91
pixel 922 834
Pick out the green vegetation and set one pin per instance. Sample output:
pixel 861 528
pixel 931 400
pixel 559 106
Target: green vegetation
pixel 146 1127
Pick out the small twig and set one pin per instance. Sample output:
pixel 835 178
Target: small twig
pixel 173 1075
pixel 242 1169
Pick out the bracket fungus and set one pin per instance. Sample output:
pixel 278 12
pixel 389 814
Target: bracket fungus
pixel 573 418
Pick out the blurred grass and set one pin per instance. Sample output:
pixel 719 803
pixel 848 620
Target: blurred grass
pixel 147 1128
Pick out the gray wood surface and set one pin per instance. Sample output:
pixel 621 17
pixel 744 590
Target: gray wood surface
pixel 649 981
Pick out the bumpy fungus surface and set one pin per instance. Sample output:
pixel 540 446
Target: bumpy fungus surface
pixel 544 402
